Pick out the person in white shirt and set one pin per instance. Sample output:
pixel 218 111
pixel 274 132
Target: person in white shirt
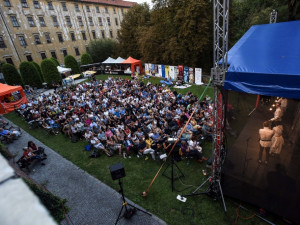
pixel 277 113
pixel 265 141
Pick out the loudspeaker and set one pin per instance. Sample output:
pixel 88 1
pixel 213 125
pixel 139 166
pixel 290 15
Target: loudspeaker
pixel 117 171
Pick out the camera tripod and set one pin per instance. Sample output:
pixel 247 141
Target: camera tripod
pixel 129 212
pixel 172 178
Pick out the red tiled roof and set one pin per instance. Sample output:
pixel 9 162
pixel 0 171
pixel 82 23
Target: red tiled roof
pixel 112 2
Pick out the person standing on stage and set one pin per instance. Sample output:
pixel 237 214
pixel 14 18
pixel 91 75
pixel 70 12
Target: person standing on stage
pixel 277 113
pixel 265 141
pixel 277 140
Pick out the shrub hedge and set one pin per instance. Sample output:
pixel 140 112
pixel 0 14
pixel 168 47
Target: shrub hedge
pixel 38 68
pixel 50 72
pixel 70 62
pixel 11 74
pixel 50 201
pixel 86 59
pixel 55 61
pixel 30 74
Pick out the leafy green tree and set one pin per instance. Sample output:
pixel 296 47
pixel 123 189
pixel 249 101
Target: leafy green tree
pixel 38 68
pixel 11 75
pixel 86 59
pixel 50 71
pixel 135 19
pixel 55 61
pixel 246 13
pixel 102 49
pixel 70 62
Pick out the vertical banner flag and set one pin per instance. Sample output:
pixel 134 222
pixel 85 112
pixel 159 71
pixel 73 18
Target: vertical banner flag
pixel 186 74
pixel 147 71
pixel 180 73
pixel 163 71
pixel 159 70
pixel 191 75
pixel 198 76
pixel 176 71
pixel 172 72
pixel 167 71
pixel 152 69
pixel 156 70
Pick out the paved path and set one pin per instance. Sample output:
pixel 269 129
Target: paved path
pixel 91 202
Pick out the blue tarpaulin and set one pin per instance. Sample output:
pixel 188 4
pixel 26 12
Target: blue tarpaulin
pixel 266 61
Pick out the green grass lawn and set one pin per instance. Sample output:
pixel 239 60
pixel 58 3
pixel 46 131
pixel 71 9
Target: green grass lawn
pixel 160 201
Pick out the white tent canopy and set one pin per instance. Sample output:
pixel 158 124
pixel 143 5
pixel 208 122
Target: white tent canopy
pixel 63 70
pixel 109 60
pixel 119 60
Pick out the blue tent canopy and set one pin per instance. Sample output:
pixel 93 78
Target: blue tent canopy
pixel 266 61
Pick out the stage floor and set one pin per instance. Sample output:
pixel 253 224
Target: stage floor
pixel 271 185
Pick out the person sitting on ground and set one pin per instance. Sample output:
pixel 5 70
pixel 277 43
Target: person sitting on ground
pixel 29 155
pixel 187 152
pixel 113 145
pixel 145 147
pixel 98 145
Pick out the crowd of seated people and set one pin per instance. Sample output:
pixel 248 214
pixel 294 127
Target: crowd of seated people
pixel 8 133
pixel 123 116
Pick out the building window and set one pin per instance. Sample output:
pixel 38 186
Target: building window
pixel 73 36
pixel 36 4
pixel 106 9
pixel 97 9
pixel 53 54
pixel 77 51
pixel 64 6
pixel 43 55
pixel 24 3
pixel 83 35
pixel 30 21
pixel 114 10
pixel 37 39
pixel 7 3
pixel 29 58
pixel 14 21
pixel 80 21
pixel 111 34
pixel 91 21
pixel 87 48
pixel 116 20
pixel 68 20
pixel 22 41
pixel 9 60
pixel 122 11
pixel 94 34
pixel 55 23
pixel 42 21
pixel 77 8
pixel 50 6
pixel 65 52
pixel 108 21
pixel 88 8
pixel 60 37
pixel 2 44
pixel 103 34
pixel 48 39
pixel 100 21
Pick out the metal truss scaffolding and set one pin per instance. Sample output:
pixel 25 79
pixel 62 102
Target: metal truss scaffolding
pixel 273 16
pixel 221 22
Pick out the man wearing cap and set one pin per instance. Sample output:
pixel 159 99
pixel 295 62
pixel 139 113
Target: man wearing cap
pixel 265 141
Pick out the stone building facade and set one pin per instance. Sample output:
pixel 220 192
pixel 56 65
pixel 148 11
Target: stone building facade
pixel 32 30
